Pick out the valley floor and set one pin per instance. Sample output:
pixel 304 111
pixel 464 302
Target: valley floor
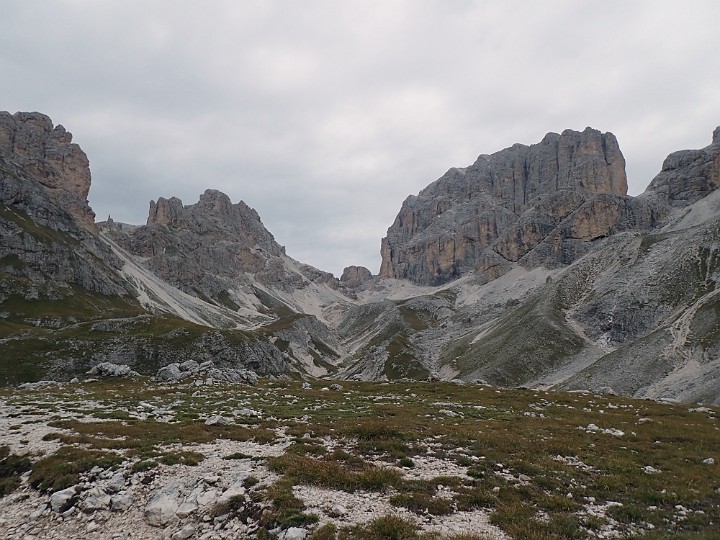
pixel 121 458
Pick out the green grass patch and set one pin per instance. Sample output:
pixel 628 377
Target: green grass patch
pixel 63 468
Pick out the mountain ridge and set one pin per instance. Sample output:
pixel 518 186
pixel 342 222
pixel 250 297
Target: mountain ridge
pixel 530 267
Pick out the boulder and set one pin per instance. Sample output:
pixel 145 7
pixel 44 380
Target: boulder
pixel 109 369
pixel 121 502
pixel 62 500
pixel 169 373
pixel 95 499
pixel 162 504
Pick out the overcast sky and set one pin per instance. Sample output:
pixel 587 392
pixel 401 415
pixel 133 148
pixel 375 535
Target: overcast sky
pixel 325 115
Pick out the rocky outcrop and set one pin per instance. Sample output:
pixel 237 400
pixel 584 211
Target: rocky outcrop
pixel 355 276
pixel 207 371
pixel 44 251
pixel 688 175
pixel 47 154
pixel 495 212
pixel 210 247
pixel 215 216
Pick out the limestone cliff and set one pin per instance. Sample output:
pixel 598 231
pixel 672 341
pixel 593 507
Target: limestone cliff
pixel 553 197
pixel 48 155
pixel 355 276
pixel 565 280
pixel 688 175
pixel 217 250
pixel 48 247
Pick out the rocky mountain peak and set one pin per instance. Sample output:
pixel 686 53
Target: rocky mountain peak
pixel 688 175
pixel 215 214
pixel 47 153
pixel 354 276
pixel 495 212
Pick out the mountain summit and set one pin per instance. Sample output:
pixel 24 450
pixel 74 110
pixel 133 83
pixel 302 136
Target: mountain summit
pixel 533 205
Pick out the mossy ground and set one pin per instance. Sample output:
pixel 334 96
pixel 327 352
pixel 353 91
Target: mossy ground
pixel 524 456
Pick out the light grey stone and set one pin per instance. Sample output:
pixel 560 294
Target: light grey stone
pixel 109 369
pixel 94 499
pixel 218 420
pixel 186 532
pixel 121 502
pixel 293 533
pixel 169 373
pixel 62 500
pixel 162 505
pixel 116 483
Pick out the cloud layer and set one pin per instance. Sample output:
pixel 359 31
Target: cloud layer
pixel 324 116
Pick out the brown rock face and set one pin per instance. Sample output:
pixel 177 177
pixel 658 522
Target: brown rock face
pixel 48 154
pixel 497 211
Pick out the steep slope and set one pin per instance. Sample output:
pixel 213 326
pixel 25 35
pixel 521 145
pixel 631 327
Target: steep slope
pixel 49 253
pixel 637 313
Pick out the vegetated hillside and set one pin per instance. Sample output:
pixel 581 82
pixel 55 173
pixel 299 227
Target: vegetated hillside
pixel 356 460
pixel 531 267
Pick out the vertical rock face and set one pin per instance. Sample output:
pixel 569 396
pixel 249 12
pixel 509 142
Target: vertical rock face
pixel 48 154
pixel 48 244
pixel 495 212
pixel 688 175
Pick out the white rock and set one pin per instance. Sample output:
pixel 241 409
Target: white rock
pixel 116 483
pixel 293 533
pixel 696 409
pixel 162 505
pixel 217 420
pixel 121 502
pixel 108 369
pixel 186 508
pixel 170 372
pixel 183 534
pixel 62 500
pixel 95 499
pixel 235 490
pixel 708 461
pixel 206 497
